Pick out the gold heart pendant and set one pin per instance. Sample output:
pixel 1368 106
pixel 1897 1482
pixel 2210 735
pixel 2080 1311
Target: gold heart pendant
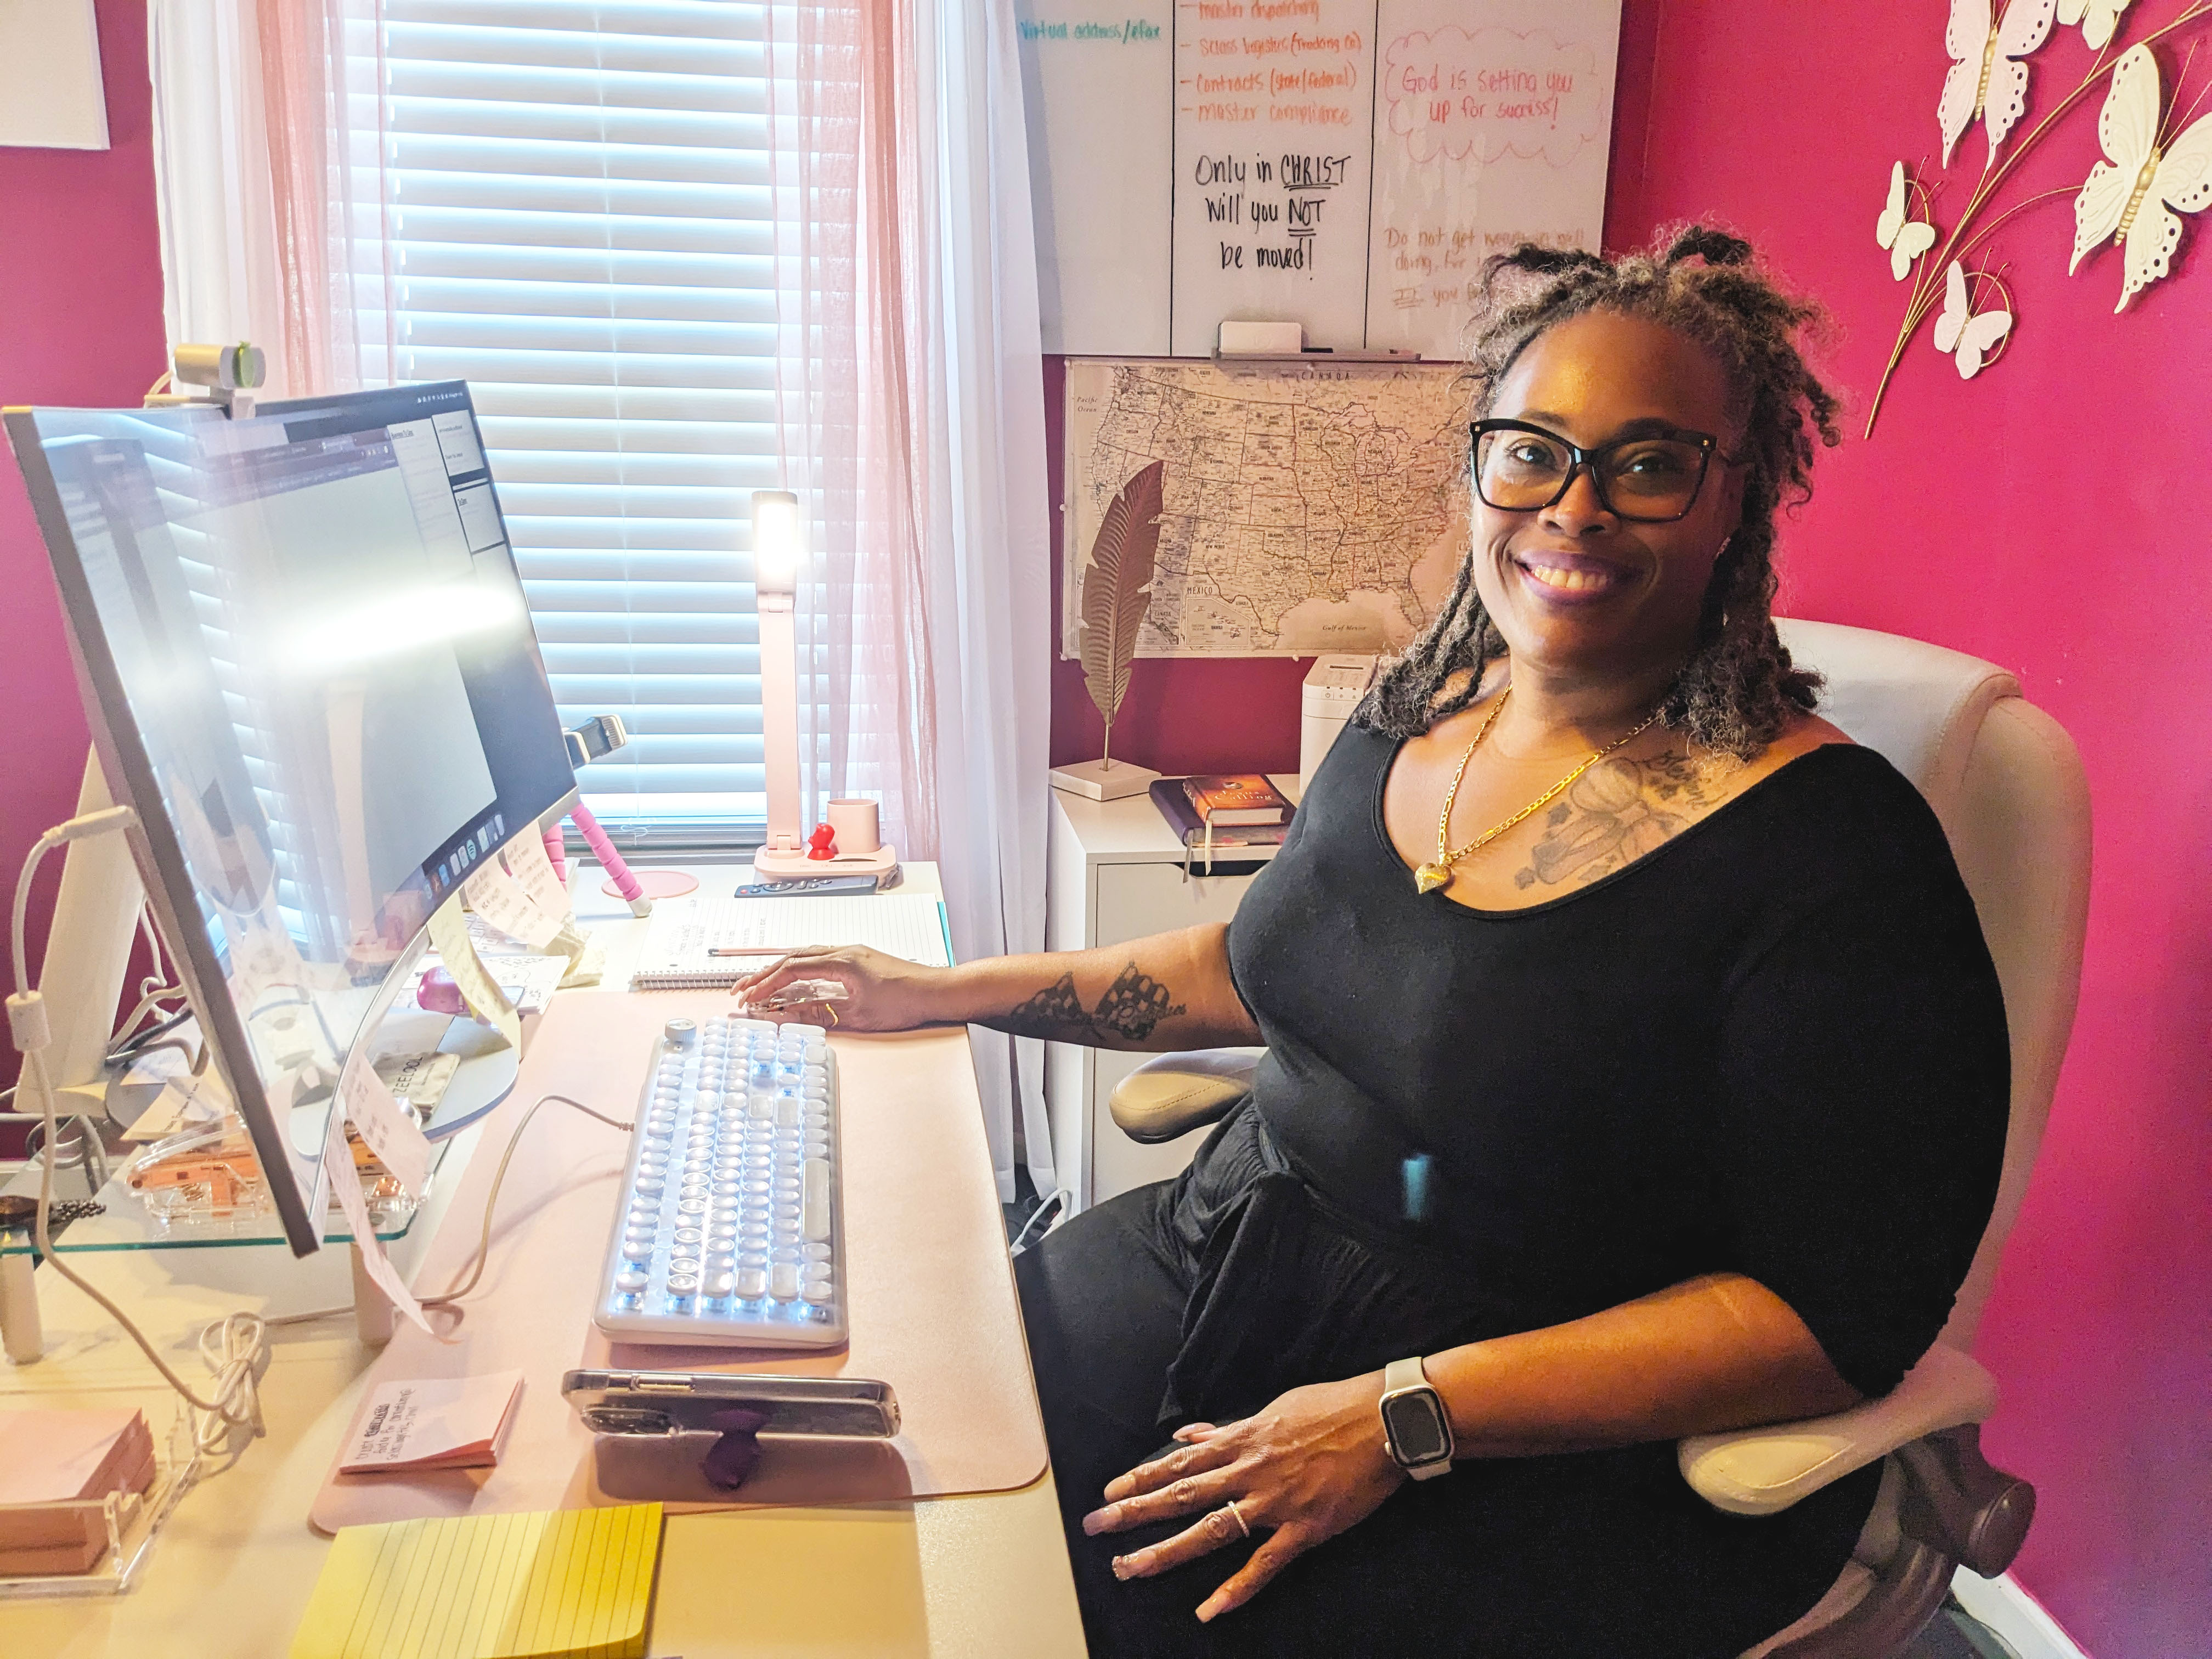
pixel 1430 876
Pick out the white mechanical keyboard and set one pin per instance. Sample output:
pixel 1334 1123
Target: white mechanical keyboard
pixel 731 1232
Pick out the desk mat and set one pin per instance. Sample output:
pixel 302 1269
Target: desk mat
pixel 933 1309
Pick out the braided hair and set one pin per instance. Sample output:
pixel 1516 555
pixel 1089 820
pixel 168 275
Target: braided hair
pixel 1739 688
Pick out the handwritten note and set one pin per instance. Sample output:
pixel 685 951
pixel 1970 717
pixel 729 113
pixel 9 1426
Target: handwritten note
pixel 345 1183
pixel 499 898
pixel 1492 126
pixel 1272 156
pixel 1343 164
pixel 383 1124
pixel 449 936
pixel 525 859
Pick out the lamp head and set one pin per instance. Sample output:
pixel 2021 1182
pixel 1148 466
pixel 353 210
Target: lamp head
pixel 779 541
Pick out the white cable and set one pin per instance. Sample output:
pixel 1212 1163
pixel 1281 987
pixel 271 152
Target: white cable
pixel 236 1347
pixel 491 1199
pixel 242 1352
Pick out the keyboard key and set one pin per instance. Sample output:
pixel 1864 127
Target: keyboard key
pixel 817 1199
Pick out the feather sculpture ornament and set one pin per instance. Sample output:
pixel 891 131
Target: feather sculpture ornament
pixel 1117 588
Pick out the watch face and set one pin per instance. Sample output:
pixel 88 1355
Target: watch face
pixel 1419 1433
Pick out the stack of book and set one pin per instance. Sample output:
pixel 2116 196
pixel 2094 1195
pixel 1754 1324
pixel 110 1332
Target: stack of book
pixel 1223 814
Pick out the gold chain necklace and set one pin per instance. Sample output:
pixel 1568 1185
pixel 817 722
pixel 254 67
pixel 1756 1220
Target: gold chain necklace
pixel 1428 877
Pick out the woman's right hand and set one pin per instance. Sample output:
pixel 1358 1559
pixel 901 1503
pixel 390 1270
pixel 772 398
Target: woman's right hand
pixel 883 992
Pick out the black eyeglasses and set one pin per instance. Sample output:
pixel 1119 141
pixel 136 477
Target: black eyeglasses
pixel 1652 479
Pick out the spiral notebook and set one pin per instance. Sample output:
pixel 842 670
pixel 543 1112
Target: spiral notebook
pixel 683 937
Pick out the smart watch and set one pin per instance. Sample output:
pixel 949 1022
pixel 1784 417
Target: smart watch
pixel 1415 1427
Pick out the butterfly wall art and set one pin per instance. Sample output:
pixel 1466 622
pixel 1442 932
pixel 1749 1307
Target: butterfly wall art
pixel 1987 77
pixel 2135 195
pixel 1969 337
pixel 2155 171
pixel 1906 237
pixel 2098 18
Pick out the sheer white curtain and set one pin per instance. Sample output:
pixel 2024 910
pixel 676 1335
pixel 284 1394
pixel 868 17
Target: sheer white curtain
pixel 910 412
pixel 908 390
pixel 269 170
pixel 988 527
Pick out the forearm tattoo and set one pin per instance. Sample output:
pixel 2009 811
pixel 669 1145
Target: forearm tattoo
pixel 1617 812
pixel 1133 1007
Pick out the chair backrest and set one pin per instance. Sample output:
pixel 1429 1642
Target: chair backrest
pixel 2007 786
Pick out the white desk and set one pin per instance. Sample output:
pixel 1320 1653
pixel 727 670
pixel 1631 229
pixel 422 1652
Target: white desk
pixel 230 1576
pixel 1115 872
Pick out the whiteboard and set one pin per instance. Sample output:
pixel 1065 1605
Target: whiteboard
pixel 1273 104
pixel 1099 98
pixel 1344 164
pixel 1493 123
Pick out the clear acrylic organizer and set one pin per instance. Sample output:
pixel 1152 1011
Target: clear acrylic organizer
pixel 135 1520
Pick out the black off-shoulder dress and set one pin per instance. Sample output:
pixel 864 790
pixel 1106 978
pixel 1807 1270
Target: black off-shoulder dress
pixel 1775 1045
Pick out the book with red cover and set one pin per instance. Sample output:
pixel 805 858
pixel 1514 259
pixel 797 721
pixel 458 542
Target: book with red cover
pixel 1190 829
pixel 1233 799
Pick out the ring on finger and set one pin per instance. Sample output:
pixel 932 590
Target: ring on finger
pixel 1237 1515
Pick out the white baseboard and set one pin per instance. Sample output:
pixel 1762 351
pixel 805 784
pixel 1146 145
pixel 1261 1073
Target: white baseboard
pixel 2016 1615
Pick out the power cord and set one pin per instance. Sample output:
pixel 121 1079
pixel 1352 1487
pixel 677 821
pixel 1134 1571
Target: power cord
pixel 231 1414
pixel 491 1199
pixel 236 1347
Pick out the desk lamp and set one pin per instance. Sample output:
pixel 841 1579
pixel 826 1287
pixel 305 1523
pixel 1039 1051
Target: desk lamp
pixel 779 547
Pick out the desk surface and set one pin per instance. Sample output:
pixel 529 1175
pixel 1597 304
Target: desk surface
pixel 231 1573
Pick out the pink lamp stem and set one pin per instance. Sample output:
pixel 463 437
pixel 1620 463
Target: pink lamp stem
pixel 596 838
pixel 556 852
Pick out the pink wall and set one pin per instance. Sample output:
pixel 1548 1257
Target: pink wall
pixel 2041 517
pixel 79 323
pixel 2044 517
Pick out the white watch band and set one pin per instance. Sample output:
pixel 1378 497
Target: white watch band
pixel 1405 1373
pixel 1399 1376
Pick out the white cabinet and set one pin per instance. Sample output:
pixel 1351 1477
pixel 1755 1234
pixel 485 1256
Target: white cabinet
pixel 1114 872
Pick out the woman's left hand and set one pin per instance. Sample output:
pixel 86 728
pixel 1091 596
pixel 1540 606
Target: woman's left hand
pixel 1310 1466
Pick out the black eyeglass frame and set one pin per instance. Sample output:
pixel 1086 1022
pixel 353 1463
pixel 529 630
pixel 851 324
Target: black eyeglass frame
pixel 1581 460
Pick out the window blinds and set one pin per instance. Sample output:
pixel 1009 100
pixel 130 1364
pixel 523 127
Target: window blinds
pixel 578 223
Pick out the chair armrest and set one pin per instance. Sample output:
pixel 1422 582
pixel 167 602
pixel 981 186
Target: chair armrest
pixel 1764 1471
pixel 1172 1094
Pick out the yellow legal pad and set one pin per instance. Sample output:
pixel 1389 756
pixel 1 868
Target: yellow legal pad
pixel 578 1583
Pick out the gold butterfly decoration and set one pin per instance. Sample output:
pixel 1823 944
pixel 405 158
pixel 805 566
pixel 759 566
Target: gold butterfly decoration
pixel 2157 168
pixel 1906 238
pixel 2134 195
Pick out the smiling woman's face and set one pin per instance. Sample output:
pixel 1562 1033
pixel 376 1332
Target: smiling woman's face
pixel 1577 592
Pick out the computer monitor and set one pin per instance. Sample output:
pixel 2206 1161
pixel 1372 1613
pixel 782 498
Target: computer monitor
pixel 311 670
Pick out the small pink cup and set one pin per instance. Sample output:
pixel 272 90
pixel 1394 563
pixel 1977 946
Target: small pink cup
pixel 856 824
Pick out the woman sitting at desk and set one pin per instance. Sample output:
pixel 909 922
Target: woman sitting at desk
pixel 1635 1064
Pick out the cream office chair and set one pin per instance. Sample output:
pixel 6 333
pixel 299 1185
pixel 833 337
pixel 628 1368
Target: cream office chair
pixel 2006 783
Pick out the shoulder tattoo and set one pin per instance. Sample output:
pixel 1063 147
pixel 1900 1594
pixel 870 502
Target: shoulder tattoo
pixel 1616 813
pixel 1130 1010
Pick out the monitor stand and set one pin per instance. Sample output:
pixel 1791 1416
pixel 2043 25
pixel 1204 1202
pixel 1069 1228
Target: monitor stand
pixel 88 959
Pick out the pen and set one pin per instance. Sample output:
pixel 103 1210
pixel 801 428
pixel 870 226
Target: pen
pixel 746 951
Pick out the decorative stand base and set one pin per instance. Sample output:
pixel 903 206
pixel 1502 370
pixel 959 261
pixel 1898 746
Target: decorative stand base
pixel 653 885
pixel 1104 779
pixel 788 864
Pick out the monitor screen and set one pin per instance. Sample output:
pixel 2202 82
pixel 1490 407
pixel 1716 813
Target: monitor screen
pixel 313 673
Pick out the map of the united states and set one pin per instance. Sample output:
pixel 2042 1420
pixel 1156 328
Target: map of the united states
pixel 1306 509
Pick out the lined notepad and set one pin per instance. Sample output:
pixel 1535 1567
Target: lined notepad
pixel 576 1583
pixel 683 933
